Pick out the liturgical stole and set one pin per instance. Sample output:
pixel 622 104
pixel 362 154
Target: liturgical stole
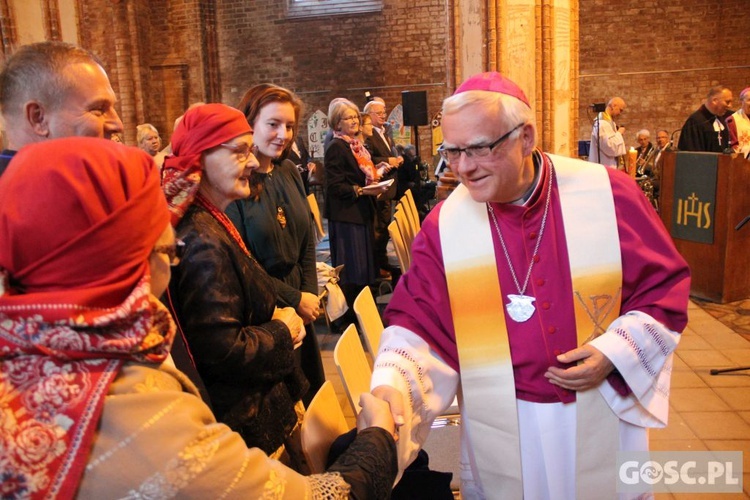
pixel 487 384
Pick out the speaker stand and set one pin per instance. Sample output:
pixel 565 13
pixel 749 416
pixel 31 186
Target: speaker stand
pixel 715 371
pixel 415 128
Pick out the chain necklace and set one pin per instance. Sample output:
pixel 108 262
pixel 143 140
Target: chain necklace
pixel 521 307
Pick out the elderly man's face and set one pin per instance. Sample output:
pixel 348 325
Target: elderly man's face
pixel 88 109
pixel 377 113
pixel 662 139
pixel 502 176
pixel 618 106
pixel 642 141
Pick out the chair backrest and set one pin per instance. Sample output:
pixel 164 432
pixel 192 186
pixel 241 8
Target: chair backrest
pixel 407 233
pixel 315 209
pixel 411 229
pixel 404 223
pixel 404 259
pixel 351 363
pixel 408 198
pixel 324 421
pixel 369 319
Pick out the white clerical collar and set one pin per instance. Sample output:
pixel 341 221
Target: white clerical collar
pixel 538 163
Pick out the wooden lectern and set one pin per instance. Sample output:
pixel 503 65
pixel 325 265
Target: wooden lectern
pixel 718 256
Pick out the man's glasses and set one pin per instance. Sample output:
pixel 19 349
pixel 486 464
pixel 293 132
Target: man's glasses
pixel 242 151
pixel 453 154
pixel 173 251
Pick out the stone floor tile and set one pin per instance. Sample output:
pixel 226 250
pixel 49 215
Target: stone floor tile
pixel 686 378
pixel 685 399
pixel 736 398
pixel 676 429
pixel 704 358
pixel 717 425
pixel 693 342
pixel 727 341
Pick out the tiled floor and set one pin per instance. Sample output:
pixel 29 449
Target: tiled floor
pixel 708 412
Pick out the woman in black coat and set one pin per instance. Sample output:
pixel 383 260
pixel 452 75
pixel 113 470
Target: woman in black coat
pixel 351 188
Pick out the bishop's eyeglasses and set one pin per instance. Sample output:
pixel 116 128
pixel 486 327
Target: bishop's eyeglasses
pixel 453 154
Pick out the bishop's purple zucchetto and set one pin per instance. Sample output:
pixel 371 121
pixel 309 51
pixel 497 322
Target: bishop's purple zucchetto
pixel 493 81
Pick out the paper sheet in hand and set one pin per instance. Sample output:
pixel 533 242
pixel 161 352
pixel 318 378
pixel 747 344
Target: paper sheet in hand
pixel 378 185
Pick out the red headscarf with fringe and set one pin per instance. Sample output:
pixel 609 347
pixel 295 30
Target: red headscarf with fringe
pixel 78 220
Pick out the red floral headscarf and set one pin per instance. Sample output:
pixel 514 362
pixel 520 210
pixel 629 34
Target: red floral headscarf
pixel 78 220
pixel 202 128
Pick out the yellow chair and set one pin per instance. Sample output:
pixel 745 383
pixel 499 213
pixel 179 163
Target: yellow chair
pixel 405 227
pixel 404 258
pixel 315 209
pixel 369 320
pixel 324 421
pixel 408 200
pixel 351 363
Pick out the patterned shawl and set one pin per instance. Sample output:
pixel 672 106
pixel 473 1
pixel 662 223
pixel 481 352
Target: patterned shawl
pixel 364 160
pixel 77 226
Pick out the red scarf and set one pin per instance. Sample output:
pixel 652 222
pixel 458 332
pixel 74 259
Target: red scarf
pixel 78 221
pixel 364 160
pixel 222 219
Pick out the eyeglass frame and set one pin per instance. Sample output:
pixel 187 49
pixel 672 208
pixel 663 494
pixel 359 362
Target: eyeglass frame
pixel 235 148
pixel 475 150
pixel 174 251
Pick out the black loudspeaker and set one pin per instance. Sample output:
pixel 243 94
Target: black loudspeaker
pixel 415 108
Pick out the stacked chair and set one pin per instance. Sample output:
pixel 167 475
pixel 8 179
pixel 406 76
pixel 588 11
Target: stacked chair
pixel 355 371
pixel 323 423
pixel 404 228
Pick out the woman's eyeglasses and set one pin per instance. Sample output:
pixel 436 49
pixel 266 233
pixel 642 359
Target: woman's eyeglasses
pixel 242 151
pixel 173 251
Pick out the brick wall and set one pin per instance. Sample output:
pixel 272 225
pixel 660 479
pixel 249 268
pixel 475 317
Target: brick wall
pixel 401 48
pixel 154 55
pixel 661 57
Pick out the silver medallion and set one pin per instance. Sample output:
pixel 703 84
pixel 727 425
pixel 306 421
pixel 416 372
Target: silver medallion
pixel 520 307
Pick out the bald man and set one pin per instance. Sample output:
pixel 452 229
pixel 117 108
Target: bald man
pixel 607 142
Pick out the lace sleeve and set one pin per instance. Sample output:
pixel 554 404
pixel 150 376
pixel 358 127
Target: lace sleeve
pixel 369 465
pixel 329 486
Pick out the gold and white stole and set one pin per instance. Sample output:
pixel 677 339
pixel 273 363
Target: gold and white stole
pixel 487 384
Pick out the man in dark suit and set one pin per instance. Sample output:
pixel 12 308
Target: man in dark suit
pixel 706 129
pixel 382 149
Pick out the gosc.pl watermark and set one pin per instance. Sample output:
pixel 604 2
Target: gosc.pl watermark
pixel 679 471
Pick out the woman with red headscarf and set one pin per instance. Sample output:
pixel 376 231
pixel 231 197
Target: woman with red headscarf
pixel 88 406
pixel 243 347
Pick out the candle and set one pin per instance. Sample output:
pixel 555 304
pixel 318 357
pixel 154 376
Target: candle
pixel 632 157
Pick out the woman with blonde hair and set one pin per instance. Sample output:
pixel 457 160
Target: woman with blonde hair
pixel 351 189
